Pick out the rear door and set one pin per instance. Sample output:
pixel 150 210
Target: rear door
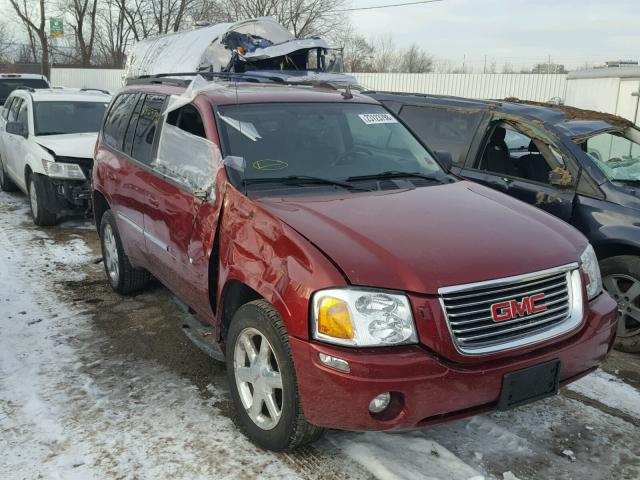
pixel 16 147
pixel 523 161
pixel 181 221
pixel 3 126
pixel 118 174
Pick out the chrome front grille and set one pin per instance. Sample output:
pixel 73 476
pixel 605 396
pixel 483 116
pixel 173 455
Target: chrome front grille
pixel 554 307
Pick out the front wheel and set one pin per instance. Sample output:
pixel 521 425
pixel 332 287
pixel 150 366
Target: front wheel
pixel 621 279
pixel 42 216
pixel 262 380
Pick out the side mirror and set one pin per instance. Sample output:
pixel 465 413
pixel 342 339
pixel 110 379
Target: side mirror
pixel 17 128
pixel 560 177
pixel 445 159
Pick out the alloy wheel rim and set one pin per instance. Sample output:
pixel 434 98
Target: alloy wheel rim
pixel 258 378
pixel 625 289
pixel 33 199
pixel 110 253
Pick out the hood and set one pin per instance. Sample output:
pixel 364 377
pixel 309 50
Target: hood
pixel 422 239
pixel 78 145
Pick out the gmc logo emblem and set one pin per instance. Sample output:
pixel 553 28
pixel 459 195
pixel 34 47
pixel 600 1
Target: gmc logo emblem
pixel 513 309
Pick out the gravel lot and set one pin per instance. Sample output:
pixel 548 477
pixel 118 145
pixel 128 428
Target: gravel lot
pixel 94 385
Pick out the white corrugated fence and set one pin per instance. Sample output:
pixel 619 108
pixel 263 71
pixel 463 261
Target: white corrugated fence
pixel 539 87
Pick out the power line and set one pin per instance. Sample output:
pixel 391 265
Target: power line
pixel 385 6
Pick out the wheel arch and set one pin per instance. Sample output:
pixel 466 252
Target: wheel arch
pixel 100 205
pixel 616 248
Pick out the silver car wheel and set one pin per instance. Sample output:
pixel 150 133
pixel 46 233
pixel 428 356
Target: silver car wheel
pixel 626 291
pixel 33 198
pixel 258 378
pixel 110 253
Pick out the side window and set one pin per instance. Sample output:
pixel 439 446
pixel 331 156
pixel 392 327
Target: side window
pixel 15 107
pixel 182 132
pixel 511 152
pixel 444 129
pixel 23 114
pixel 148 121
pixel 133 123
pixel 188 119
pixel 6 108
pixel 118 119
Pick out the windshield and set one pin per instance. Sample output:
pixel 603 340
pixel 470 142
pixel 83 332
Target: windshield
pixel 8 85
pixel 617 154
pixel 327 141
pixel 57 118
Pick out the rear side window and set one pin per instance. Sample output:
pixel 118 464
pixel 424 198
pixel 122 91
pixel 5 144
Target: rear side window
pixel 23 114
pixel 15 107
pixel 444 129
pixel 118 119
pixel 7 107
pixel 146 128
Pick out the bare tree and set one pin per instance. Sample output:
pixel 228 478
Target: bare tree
pixel 302 17
pixel 507 68
pixel 385 55
pixel 415 60
pixel 6 41
pixel 113 36
pixel 35 23
pixel 83 14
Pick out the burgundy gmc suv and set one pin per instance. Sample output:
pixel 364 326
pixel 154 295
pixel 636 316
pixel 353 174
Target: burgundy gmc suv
pixel 345 276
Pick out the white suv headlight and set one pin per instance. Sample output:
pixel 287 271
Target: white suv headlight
pixel 362 318
pixel 69 171
pixel 589 265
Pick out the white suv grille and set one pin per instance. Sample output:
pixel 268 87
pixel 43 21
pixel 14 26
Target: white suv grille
pixel 470 310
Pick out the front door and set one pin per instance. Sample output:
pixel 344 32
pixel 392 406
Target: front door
pixel 181 218
pixel 527 166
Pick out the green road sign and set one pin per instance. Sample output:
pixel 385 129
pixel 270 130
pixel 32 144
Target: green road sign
pixel 56 28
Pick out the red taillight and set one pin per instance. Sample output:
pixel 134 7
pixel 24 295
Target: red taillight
pixel 10 75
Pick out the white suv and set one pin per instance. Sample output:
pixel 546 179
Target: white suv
pixel 47 138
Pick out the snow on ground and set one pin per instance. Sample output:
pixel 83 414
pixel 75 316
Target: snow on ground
pixel 609 390
pixel 94 385
pixel 58 422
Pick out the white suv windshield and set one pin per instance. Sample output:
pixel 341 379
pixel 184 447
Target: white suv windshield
pixel 331 141
pixel 57 118
pixel 616 154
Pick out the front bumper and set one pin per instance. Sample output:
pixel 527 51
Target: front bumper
pixel 434 390
pixel 67 195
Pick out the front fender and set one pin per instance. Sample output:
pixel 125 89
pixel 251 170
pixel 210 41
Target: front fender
pixel 262 252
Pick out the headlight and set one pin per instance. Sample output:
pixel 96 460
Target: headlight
pixel 69 171
pixel 362 318
pixel 589 265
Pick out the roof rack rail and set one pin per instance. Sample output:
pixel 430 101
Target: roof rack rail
pixel 169 78
pixel 28 89
pixel 95 90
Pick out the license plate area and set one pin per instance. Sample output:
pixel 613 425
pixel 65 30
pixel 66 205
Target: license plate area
pixel 529 385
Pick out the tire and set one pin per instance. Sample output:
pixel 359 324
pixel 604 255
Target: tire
pixel 5 182
pixel 36 189
pixel 260 320
pixel 619 274
pixel 121 275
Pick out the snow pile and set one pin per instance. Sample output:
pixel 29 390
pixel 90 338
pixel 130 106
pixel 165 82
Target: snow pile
pixel 610 390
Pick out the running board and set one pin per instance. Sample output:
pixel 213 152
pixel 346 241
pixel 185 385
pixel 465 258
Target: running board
pixel 203 336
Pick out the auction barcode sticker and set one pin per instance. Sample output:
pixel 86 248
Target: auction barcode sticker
pixel 375 118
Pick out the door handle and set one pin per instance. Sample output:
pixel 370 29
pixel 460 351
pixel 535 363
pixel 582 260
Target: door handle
pixel 153 202
pixel 507 180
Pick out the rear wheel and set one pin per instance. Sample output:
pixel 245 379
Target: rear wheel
pixel 122 276
pixel 263 382
pixel 37 201
pixel 621 279
pixel 5 182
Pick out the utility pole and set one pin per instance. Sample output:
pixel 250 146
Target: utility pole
pixel 484 70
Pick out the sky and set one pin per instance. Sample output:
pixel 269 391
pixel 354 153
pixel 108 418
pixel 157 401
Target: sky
pixel 516 31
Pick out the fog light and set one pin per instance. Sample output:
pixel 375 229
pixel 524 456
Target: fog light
pixel 334 362
pixel 380 402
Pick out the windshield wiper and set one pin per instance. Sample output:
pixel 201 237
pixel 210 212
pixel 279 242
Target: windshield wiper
pixel 302 180
pixel 395 174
